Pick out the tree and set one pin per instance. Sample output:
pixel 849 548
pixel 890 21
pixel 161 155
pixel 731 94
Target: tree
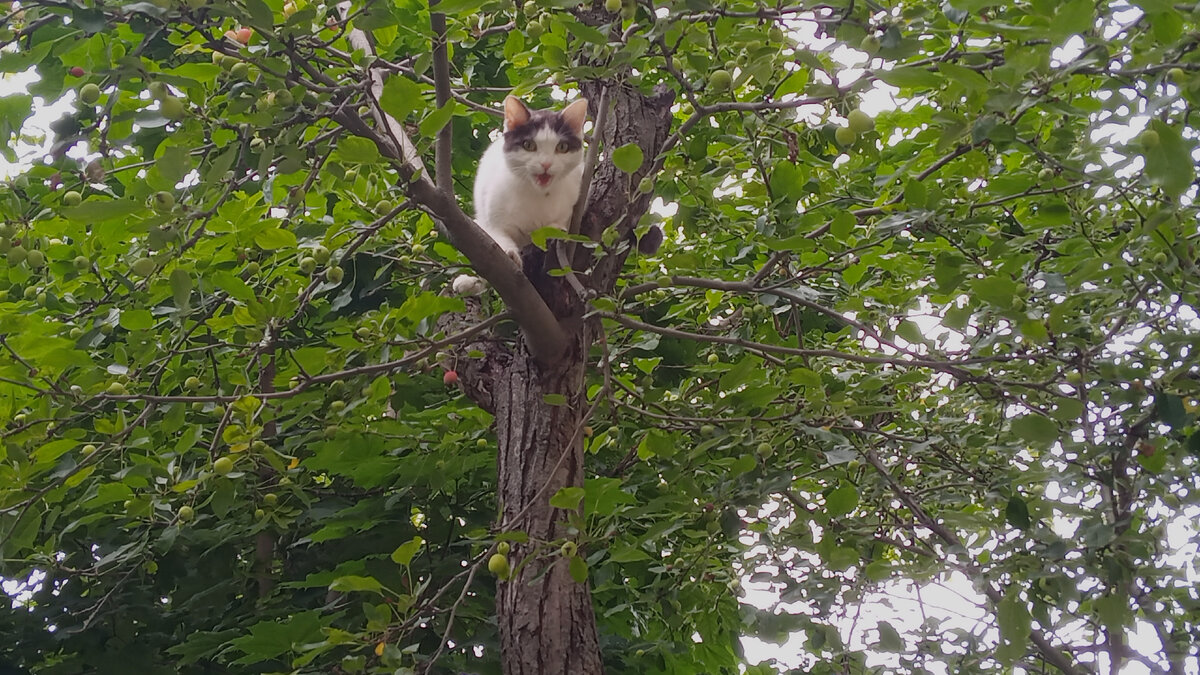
pixel 248 429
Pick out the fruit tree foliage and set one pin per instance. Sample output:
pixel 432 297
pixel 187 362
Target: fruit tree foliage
pixel 952 342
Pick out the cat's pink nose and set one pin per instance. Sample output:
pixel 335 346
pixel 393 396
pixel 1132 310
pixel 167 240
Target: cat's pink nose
pixel 545 166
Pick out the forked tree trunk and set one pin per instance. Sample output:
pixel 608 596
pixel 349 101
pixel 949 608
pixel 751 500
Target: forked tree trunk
pixel 546 620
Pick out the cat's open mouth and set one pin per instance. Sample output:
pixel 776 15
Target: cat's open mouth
pixel 543 179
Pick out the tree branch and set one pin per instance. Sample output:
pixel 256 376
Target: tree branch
pixel 543 335
pixel 441 86
pixel 1052 654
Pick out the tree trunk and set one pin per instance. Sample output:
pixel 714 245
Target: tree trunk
pixel 547 626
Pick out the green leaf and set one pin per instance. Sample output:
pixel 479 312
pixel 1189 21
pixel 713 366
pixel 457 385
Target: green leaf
pixel 1170 410
pixel 1014 620
pixel 567 498
pixel 355 583
pixel 1017 513
pixel 889 638
pixel 103 210
pixel 1035 428
pixel 437 119
pixel 404 553
pixel 400 97
pixel 458 7
pixel 1169 164
pixel 181 286
pixel 554 399
pixel 137 319
pixel 274 238
pixel 909 78
pixel 628 157
pixel 841 501
pixel 578 569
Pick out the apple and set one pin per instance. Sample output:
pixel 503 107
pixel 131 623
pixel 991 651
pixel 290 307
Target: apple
pixel 76 71
pixel 859 121
pixel 82 263
pixel 308 264
pixel 845 136
pixel 503 548
pixel 89 93
pixel 186 513
pixel 171 107
pixel 192 383
pixel 162 201
pixel 222 466
pixel 270 499
pixel 720 80
pixel 450 378
pixel 143 267
pixel 498 565
pixel 71 198
pixel 89 449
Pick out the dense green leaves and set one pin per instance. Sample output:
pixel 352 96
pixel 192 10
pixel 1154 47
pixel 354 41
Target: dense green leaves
pixel 953 351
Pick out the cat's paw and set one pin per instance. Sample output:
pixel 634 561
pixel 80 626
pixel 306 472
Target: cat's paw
pixel 515 256
pixel 465 284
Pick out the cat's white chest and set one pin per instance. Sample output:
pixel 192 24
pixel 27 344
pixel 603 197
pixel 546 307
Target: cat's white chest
pixel 509 205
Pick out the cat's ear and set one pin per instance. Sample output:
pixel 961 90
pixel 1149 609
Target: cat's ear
pixel 516 113
pixel 575 114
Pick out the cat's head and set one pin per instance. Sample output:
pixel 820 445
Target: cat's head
pixel 543 145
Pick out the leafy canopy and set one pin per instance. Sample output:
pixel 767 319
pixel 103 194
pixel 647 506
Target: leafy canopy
pixel 952 344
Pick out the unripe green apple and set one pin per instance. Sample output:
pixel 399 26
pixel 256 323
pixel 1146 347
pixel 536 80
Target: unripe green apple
pixel 859 121
pixel 720 80
pixel 71 198
pixel 143 267
pixel 223 466
pixel 89 93
pixel 186 513
pixel 498 565
pixel 162 201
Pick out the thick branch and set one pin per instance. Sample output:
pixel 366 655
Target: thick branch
pixel 544 336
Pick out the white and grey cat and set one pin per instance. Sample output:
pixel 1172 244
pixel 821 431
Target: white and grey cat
pixel 528 178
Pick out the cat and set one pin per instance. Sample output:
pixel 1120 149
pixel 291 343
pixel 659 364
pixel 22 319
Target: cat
pixel 528 178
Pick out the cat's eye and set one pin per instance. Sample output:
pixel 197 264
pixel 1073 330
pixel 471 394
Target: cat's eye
pixel 529 145
pixel 562 147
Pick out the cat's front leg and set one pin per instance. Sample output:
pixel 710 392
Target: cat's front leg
pixel 510 248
